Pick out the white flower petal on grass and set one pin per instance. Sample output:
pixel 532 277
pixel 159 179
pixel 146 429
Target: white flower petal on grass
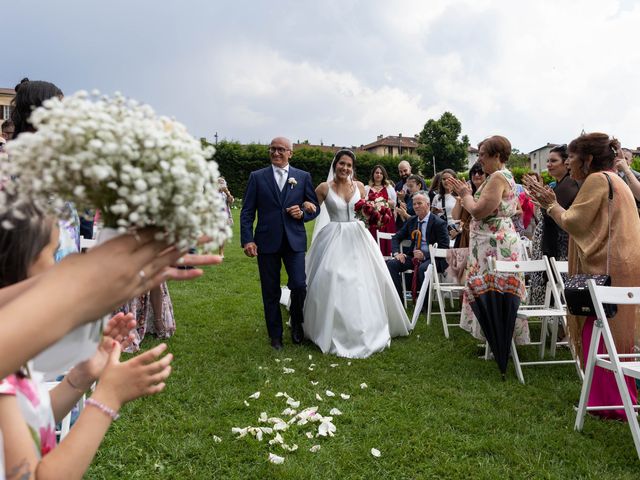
pixel 288 370
pixel 288 411
pixel 309 434
pixel 246 404
pixel 240 431
pixel 263 417
pixel 286 359
pixel 314 383
pixel 310 357
pixel 255 396
pixel 314 449
pixel 363 386
pixel 291 448
pixel 277 360
pixel 348 364
pixel 277 439
pixel 334 365
pixel 276 459
pixel 217 439
pixel 335 411
pixel 375 452
pixel 281 426
pixel 310 369
pixel 293 403
pixel 326 427
pixel 281 394
pixel 329 393
pixel 345 396
pixel 318 397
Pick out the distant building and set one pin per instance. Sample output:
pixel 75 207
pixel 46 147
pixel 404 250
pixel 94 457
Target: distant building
pixel 472 156
pixel 325 148
pixel 538 157
pixel 6 96
pixel 393 145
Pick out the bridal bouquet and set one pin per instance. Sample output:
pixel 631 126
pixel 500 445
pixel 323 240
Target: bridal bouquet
pixel 374 212
pixel 113 154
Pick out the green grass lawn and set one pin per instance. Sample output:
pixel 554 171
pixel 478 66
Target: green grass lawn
pixel 432 408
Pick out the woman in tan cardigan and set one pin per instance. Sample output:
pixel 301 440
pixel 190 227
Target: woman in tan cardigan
pixel 591 159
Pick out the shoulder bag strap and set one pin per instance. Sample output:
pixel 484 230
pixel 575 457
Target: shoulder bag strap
pixel 609 221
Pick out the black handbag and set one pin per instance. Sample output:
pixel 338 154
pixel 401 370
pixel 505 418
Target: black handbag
pixel 576 290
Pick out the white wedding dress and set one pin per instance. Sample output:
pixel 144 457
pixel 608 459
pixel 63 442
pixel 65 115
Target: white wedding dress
pixel 352 308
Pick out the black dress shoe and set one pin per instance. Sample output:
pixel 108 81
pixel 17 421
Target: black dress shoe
pixel 297 333
pixel 276 343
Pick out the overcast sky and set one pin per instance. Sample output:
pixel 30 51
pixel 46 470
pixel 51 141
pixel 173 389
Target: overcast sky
pixel 344 71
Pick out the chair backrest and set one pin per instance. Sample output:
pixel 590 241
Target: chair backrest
pixel 526 246
pixel 558 267
pixel 529 266
pixel 383 236
pixel 86 243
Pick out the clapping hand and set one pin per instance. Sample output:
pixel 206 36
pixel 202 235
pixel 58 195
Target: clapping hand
pixel 542 195
pixel 460 187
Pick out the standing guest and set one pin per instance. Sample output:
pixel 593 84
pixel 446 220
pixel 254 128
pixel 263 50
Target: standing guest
pixel 476 178
pixel 603 238
pixel 405 210
pixel 434 187
pixel 276 193
pixel 548 238
pixel 443 201
pixel 7 130
pixel 630 176
pixel 491 234
pixel 404 171
pixel 380 187
pixel 432 230
pixel 225 194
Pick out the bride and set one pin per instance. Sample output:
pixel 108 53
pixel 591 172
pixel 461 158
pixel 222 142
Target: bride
pixel 352 308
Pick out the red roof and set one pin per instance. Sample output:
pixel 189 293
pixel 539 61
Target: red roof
pixel 393 141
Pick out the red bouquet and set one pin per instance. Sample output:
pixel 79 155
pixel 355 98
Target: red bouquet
pixel 374 212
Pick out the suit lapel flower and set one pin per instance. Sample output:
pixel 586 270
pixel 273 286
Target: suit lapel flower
pixel 292 181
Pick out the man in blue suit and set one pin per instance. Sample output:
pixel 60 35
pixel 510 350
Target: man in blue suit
pixel 433 230
pixel 277 193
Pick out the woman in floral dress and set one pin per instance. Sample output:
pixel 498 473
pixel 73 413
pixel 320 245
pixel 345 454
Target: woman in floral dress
pixel 492 233
pixel 380 187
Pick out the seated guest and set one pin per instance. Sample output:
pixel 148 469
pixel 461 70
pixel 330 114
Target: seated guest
pixel 405 209
pixel 630 176
pixel 404 170
pixel 433 230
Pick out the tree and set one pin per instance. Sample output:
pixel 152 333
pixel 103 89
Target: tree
pixel 518 159
pixel 440 139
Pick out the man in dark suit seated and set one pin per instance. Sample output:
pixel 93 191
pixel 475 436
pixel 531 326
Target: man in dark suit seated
pixel 434 230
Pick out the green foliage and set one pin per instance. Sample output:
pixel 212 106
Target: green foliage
pixel 518 172
pixel 635 165
pixel 518 159
pixel 237 161
pixel 441 139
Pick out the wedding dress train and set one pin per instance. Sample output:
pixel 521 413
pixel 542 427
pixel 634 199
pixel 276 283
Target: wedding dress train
pixel 352 308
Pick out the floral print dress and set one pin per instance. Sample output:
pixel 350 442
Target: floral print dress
pixel 494 236
pixel 33 399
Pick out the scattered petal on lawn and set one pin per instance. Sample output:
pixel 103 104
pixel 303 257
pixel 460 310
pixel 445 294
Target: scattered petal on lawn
pixel 309 435
pixel 418 336
pixel 217 439
pixel 276 459
pixel 286 359
pixel 311 369
pixel 314 449
pixel 267 381
pixel 314 383
pixel 288 370
pixel 318 397
pixel 345 396
pixel 288 411
pixel 375 452
pixel 334 365
pixel 281 426
pixel 246 404
pixel 263 417
pixel 348 364
pixel 363 386
pixel 310 357
pixel 329 393
pixel 255 396
pixel 267 430
pixel 281 394
pixel 291 448
pixel 326 427
pixel 277 439
pixel 275 420
pixel 240 431
pixel 259 368
pixel 335 411
pixel 277 360
pixel 293 403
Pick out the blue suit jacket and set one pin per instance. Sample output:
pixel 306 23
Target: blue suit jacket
pixel 263 197
pixel 436 233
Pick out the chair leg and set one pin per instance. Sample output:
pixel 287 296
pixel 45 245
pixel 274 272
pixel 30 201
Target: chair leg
pixel 516 361
pixel 588 379
pixel 404 290
pixel 554 336
pixel 443 315
pixel 543 337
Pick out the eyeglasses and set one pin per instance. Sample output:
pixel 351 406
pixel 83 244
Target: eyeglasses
pixel 278 150
pixel 477 172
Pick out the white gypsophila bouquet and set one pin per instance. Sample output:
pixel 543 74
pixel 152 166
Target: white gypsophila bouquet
pixel 139 169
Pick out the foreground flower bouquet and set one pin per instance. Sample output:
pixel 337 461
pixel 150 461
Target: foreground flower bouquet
pixel 374 212
pixel 113 154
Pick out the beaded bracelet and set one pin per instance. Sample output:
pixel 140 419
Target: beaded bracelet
pixel 109 411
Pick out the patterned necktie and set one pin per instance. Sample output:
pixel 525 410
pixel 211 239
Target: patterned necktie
pixel 282 177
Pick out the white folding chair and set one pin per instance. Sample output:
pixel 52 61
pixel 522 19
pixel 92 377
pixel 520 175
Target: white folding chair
pixel 437 288
pixel 558 267
pixel 610 360
pixel 65 423
pixel 405 293
pixel 86 243
pixel 526 247
pixel 384 236
pixel 421 296
pixel 544 313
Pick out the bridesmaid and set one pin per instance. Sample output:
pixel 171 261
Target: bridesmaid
pixel 380 187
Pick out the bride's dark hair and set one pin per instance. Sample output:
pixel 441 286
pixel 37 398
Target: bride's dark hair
pixel 342 152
